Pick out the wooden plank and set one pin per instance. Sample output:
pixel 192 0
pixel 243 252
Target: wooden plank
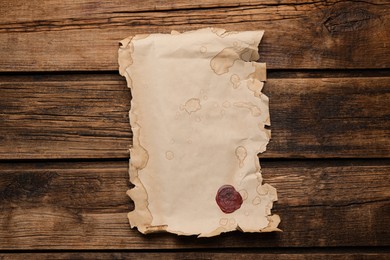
pixel 83 35
pixel 86 116
pixel 195 255
pixel 83 205
pixel 64 117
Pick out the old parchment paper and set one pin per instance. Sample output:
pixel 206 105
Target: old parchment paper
pixel 198 116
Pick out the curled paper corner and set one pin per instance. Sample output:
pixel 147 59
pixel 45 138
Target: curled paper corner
pixel 198 118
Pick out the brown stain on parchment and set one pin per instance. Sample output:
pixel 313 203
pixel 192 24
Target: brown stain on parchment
pixel 273 222
pixel 256 200
pixel 140 155
pixel 226 104
pixel 255 86
pixel 142 217
pixel 241 154
pixel 235 80
pixel 169 155
pixel 192 105
pixel 127 54
pixel 224 60
pixel 223 221
pixel 255 79
pixel 270 192
pixel 248 54
pixel 222 32
pixel 262 190
pixel 255 111
pixel 125 58
pixel 267 190
pixel 259 73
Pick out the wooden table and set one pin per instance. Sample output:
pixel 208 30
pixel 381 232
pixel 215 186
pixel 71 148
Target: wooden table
pixel 65 131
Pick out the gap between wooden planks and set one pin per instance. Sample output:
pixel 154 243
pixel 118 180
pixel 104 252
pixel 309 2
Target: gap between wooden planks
pixel 303 254
pixel 83 205
pixel 86 116
pixel 84 35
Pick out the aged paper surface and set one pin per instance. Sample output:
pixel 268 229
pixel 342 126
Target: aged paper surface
pixel 198 116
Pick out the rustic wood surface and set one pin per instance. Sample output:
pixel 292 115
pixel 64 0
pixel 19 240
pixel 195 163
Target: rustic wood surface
pixel 65 134
pixel 74 116
pixel 83 35
pixel 83 205
pixel 344 255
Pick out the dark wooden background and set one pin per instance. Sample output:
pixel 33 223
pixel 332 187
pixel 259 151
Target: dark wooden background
pixel 65 134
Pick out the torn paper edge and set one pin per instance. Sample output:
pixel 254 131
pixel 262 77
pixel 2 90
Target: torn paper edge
pixel 141 216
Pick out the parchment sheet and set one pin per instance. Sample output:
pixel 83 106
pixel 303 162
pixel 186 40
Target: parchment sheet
pixel 197 116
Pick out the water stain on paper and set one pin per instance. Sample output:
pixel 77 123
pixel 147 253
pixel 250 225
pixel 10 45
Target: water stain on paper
pixel 259 73
pixel 222 32
pixel 232 222
pixel 223 221
pixel 169 155
pixel 192 105
pixel 256 200
pixel 255 86
pixel 140 156
pixel 226 104
pixel 241 154
pixel 249 54
pixel 235 80
pixel 262 190
pixel 224 60
pixel 255 111
pixel 203 49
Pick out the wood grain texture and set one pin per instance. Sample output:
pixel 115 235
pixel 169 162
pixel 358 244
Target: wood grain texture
pixel 83 205
pixel 83 35
pixel 197 255
pixel 86 116
pixel 329 92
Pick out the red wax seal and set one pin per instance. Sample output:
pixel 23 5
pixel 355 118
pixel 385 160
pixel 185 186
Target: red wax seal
pixel 228 199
